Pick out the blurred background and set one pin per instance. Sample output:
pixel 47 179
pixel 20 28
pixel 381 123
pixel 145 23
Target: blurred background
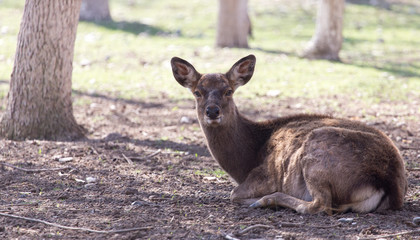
pixel 127 56
pixel 143 144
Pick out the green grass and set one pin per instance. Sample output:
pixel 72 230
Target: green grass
pixel 129 57
pixel 219 173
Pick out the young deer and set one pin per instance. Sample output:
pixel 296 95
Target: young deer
pixel 309 163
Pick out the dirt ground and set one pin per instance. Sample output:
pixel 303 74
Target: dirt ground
pixel 172 188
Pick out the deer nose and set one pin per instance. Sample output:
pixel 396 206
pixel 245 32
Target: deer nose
pixel 212 112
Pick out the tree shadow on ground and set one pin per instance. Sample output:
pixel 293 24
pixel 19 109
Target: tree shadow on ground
pixel 393 6
pixel 398 67
pixel 135 28
pixel 197 149
pixel 4 81
pixel 143 104
pixel 376 3
pixel 275 51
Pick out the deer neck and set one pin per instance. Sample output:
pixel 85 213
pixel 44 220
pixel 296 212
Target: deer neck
pixel 236 145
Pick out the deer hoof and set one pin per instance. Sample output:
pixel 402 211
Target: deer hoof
pixel 302 209
pixel 256 204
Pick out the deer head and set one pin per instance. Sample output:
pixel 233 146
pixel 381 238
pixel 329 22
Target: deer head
pixel 213 92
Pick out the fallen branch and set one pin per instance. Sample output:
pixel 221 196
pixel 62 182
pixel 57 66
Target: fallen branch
pixel 127 159
pixel 34 170
pixel 94 150
pixel 242 232
pixel 145 157
pixel 413 169
pixel 409 148
pixel 75 228
pixel 389 235
pixel 174 152
pixel 20 204
pixel 228 236
pixel 289 224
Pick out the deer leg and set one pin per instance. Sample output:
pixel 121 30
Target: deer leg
pixel 299 205
pixel 282 200
pixel 255 186
pixel 259 190
pixel 253 195
pixel 318 190
pixel 246 195
pixel 243 201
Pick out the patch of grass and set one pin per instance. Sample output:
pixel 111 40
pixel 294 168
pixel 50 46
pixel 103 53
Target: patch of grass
pixel 129 57
pixel 219 173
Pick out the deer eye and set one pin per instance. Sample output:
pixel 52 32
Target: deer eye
pixel 197 94
pixel 228 93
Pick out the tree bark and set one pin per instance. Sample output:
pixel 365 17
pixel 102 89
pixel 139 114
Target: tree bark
pixel 327 40
pixel 39 101
pixel 95 10
pixel 233 24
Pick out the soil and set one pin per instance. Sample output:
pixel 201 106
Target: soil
pixel 172 188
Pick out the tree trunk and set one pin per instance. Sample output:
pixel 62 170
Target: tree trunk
pixel 39 101
pixel 95 10
pixel 233 24
pixel 327 40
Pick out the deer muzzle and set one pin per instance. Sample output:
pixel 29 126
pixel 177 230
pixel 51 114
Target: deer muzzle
pixel 213 115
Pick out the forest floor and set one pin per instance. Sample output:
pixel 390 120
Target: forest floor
pixel 145 170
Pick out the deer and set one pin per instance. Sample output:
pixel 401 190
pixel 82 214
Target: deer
pixel 310 163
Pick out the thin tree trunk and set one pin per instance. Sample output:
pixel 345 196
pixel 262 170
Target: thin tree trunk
pixel 327 40
pixel 39 100
pixel 95 10
pixel 233 24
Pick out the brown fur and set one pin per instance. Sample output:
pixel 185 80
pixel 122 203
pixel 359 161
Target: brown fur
pixel 309 163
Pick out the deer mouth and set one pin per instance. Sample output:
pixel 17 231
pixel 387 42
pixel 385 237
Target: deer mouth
pixel 213 121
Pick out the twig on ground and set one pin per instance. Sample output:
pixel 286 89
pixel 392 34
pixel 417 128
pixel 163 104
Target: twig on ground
pixel 145 157
pixel 127 159
pixel 228 236
pixel 413 169
pixel 389 235
pixel 20 204
pixel 75 228
pixel 174 152
pixel 324 226
pixel 289 224
pixel 94 150
pixel 34 170
pixel 161 198
pixel 409 148
pixel 394 115
pixel 242 232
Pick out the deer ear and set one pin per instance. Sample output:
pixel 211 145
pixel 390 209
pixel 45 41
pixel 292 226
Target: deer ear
pixel 184 73
pixel 241 72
